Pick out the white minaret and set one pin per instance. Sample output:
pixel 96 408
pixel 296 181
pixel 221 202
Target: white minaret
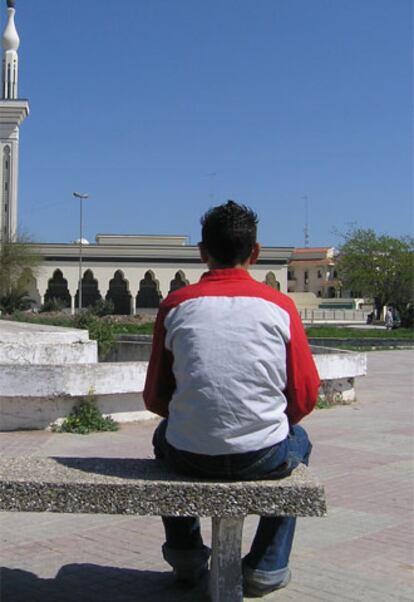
pixel 12 112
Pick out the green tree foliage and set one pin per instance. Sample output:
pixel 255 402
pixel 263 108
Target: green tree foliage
pixel 16 259
pixel 379 266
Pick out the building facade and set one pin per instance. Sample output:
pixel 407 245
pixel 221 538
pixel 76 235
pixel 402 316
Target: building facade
pixel 134 272
pixel 312 270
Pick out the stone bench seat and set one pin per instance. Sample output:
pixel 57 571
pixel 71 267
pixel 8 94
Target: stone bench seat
pixel 146 487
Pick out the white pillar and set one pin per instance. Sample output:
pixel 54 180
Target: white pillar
pixel 133 305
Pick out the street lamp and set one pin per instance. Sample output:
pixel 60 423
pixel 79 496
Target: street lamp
pixel 81 196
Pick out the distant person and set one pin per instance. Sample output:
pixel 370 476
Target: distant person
pixel 389 320
pixel 370 317
pixel 232 374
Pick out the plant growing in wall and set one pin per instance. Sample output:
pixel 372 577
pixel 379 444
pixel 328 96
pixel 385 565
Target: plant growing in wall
pixel 86 418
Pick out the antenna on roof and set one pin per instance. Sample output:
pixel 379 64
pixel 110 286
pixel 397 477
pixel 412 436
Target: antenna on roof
pixel 306 228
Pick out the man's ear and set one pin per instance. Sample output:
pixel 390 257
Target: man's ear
pixel 254 254
pixel 203 253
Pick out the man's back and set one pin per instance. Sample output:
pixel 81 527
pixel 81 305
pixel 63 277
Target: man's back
pixel 234 345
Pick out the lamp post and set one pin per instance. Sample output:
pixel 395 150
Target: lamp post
pixel 81 196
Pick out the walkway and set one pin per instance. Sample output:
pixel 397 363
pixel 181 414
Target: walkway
pixel 362 551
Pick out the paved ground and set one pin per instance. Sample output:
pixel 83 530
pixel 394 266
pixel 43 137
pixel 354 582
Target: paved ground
pixel 362 551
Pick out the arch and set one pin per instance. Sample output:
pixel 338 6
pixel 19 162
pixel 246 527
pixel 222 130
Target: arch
pixel 119 294
pixel 149 291
pixel 271 281
pixel 179 281
pixel 57 288
pixel 90 290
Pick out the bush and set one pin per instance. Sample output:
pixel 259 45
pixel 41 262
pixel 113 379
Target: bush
pixel 86 418
pixel 99 330
pixel 15 300
pixel 53 304
pixel 407 317
pixel 103 307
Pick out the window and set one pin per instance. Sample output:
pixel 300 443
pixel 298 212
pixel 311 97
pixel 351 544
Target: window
pixel 319 274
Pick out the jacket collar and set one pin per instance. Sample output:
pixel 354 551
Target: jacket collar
pixel 227 274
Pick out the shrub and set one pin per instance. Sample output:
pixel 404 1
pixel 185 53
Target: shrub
pixel 407 316
pixel 53 304
pixel 15 300
pixel 99 330
pixel 103 307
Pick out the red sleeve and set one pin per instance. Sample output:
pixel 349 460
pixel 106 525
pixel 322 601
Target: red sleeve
pixel 160 381
pixel 302 376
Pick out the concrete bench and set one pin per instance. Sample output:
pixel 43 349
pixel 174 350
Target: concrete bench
pixel 146 487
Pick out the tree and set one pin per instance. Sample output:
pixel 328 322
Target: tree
pixel 16 258
pixel 379 266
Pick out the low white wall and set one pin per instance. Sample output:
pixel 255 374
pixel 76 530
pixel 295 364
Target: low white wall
pixel 337 370
pixel 72 379
pixel 51 354
pixel 32 397
pixel 25 343
pixel 340 364
pixel 28 413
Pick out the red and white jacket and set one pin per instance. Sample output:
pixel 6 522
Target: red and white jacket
pixel 230 365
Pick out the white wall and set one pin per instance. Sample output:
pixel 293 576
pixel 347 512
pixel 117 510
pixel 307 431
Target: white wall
pixel 163 274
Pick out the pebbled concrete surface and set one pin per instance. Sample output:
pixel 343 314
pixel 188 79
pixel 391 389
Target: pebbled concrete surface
pixel 134 486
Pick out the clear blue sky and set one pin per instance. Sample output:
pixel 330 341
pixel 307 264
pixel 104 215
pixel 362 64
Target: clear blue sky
pixel 160 109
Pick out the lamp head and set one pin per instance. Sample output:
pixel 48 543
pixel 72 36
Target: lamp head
pixel 11 3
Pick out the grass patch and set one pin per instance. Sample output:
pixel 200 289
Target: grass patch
pixel 359 333
pixel 146 328
pixel 58 320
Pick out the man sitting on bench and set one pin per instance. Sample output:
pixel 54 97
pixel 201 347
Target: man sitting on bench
pixel 232 374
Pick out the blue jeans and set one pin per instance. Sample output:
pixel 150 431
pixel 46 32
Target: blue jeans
pixel 270 550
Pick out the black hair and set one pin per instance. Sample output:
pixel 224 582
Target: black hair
pixel 228 233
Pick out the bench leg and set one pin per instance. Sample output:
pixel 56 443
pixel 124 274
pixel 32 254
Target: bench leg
pixel 225 574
